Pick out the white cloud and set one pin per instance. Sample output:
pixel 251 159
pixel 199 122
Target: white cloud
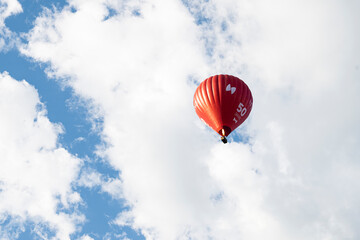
pixel 113 187
pixel 36 174
pixel 90 178
pixel 8 39
pixel 8 8
pixel 86 237
pixel 297 176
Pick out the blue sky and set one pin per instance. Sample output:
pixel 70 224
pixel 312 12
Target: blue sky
pixel 98 207
pixel 99 138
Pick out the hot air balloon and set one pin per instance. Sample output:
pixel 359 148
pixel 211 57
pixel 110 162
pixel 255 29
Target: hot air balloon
pixel 223 102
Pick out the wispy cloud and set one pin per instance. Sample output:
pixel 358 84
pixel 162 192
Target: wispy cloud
pixel 36 174
pixel 8 39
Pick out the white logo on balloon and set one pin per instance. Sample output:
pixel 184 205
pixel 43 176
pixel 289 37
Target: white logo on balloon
pixel 229 88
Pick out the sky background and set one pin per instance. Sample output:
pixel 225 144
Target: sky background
pixel 99 138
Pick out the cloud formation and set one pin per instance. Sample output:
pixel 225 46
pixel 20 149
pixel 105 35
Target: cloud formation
pixel 7 38
pixel 295 177
pixel 36 174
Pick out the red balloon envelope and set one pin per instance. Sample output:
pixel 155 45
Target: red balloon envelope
pixel 223 102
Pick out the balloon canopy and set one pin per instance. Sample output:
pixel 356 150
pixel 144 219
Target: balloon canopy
pixel 223 102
